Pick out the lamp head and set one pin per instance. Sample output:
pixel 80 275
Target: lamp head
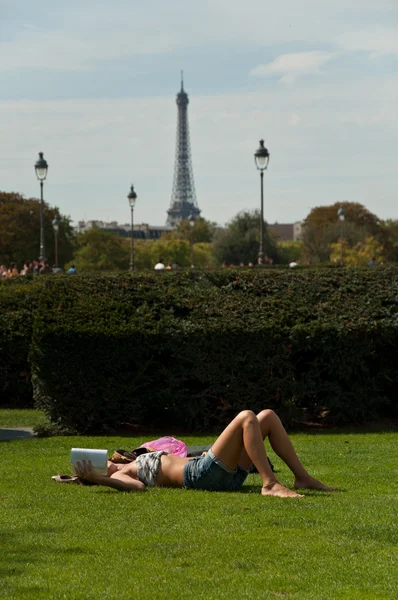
pixel 55 224
pixel 341 213
pixel 41 167
pixel 261 157
pixel 132 197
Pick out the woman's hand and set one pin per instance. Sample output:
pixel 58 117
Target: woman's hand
pixel 85 470
pixel 120 480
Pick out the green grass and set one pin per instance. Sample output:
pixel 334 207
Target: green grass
pixel 74 542
pixel 21 418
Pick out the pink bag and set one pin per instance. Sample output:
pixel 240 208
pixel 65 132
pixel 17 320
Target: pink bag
pixel 169 444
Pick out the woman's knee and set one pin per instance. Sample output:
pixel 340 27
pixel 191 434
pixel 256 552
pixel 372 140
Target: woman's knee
pixel 267 415
pixel 246 416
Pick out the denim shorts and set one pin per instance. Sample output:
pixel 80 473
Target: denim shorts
pixel 209 473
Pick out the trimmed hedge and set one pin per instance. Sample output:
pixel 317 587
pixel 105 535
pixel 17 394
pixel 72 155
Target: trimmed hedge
pixel 186 350
pixel 18 299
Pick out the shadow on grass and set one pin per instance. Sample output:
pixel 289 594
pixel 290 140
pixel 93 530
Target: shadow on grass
pixel 387 425
pixel 18 557
pixel 8 434
pixel 381 426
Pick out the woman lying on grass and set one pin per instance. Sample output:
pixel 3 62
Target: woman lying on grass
pixel 223 468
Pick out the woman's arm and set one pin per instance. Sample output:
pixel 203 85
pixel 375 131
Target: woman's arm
pixel 118 480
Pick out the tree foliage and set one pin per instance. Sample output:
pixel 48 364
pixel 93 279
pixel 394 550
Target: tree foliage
pixel 360 254
pixel 390 237
pixel 201 231
pixel 239 240
pixel 290 251
pixel 203 255
pixel 98 250
pixel 20 231
pixel 323 228
pixel 172 250
pixel 354 213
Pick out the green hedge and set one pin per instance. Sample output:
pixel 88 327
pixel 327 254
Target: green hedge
pixel 183 350
pixel 18 299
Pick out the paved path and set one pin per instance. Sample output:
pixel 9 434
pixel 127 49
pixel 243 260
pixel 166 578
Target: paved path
pixel 20 433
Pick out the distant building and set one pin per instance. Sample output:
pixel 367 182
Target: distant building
pixel 142 231
pixel 298 228
pixel 286 232
pixel 282 232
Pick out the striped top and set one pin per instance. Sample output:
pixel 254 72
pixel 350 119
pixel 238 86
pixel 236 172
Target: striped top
pixel 148 467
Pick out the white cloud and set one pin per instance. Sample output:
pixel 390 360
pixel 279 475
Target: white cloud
pixel 291 66
pixel 376 41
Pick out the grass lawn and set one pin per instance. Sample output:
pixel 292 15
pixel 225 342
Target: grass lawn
pixel 75 542
pixel 21 418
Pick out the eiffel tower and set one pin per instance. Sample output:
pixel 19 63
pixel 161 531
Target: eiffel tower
pixel 183 198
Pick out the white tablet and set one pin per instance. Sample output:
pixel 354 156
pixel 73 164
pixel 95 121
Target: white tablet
pixel 99 458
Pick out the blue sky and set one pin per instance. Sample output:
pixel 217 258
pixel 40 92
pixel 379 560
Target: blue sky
pixel 92 84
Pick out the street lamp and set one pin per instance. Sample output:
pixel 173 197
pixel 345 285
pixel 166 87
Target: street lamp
pixel 191 221
pixel 41 168
pixel 261 157
pixel 55 224
pixel 132 197
pixel 341 215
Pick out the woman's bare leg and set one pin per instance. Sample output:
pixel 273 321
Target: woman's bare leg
pixel 244 434
pixel 271 427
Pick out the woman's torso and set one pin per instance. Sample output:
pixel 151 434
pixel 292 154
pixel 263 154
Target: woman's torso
pixel 170 471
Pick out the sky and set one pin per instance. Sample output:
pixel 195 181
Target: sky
pixel 92 85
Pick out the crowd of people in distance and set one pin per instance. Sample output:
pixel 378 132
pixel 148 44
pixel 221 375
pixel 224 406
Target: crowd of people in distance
pixel 161 266
pixel 261 261
pixel 32 267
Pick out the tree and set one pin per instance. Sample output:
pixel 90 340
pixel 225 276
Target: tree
pixel 322 228
pixel 290 251
pixel 239 240
pixel 99 250
pixel 360 254
pixel 20 231
pixel 203 255
pixel 354 213
pixel 144 254
pixel 390 236
pixel 173 251
pixel 201 231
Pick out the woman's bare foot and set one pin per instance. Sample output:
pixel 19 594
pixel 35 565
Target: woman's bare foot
pixel 309 483
pixel 279 490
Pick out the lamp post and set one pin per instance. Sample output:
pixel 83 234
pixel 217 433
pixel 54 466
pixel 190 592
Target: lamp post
pixel 261 158
pixel 132 197
pixel 55 224
pixel 341 215
pixel 41 168
pixel 191 221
